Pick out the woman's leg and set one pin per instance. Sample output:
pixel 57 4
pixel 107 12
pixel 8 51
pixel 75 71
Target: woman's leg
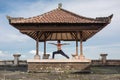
pixel 62 53
pixel 56 52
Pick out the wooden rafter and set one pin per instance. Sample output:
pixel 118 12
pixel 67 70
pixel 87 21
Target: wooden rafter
pixel 73 36
pixel 66 36
pixel 51 35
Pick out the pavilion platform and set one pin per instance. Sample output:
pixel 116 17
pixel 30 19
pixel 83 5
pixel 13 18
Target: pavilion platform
pixel 59 65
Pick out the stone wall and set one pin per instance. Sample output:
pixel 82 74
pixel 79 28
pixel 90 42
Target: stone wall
pixel 13 68
pixel 108 62
pixel 58 66
pixel 8 65
pixel 11 62
pixel 46 66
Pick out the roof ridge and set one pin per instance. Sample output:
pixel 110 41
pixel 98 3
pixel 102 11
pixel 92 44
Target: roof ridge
pixel 42 14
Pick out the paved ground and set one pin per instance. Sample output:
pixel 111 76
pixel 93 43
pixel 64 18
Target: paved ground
pixel 9 75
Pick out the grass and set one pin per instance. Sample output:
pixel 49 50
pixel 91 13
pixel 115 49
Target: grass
pixel 99 73
pixel 106 69
pixel 56 76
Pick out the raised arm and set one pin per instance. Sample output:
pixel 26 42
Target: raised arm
pixel 52 43
pixel 65 44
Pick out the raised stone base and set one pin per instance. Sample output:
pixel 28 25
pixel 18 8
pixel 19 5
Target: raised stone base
pixel 67 65
pixel 37 57
pixel 46 56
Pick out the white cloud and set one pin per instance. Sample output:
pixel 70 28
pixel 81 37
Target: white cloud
pixel 13 38
pixel 32 9
pixel 105 46
pixel 33 52
pixel 94 52
pixel 4 55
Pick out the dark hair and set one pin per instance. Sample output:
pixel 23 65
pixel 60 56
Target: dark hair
pixel 58 41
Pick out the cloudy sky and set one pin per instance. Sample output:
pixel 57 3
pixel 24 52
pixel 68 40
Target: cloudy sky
pixel 106 41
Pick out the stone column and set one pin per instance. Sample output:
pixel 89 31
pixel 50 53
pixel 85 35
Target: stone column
pixel 16 59
pixel 103 58
pixel 44 47
pixel 76 48
pixel 81 47
pixel 77 44
pixel 45 56
pixel 37 56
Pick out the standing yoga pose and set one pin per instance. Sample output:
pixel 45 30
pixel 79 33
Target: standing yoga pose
pixel 59 51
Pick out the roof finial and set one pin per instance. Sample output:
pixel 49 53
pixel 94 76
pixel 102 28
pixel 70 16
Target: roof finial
pixel 59 5
pixel 8 17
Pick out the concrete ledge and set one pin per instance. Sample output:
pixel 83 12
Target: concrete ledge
pixel 59 60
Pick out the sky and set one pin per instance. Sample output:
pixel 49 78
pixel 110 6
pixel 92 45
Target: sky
pixel 107 41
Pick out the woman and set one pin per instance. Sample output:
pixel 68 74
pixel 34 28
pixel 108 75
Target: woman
pixel 59 51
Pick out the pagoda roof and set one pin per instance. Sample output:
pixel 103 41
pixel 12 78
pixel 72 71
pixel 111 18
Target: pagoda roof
pixel 59 15
pixel 59 24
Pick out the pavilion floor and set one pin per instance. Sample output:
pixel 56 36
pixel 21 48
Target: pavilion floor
pixel 58 65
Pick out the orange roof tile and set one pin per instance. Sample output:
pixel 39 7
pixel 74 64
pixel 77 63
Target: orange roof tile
pixel 60 16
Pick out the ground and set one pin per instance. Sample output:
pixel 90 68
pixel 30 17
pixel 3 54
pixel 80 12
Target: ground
pixel 98 73
pixel 8 75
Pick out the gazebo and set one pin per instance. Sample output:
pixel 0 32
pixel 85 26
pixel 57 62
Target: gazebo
pixel 60 24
